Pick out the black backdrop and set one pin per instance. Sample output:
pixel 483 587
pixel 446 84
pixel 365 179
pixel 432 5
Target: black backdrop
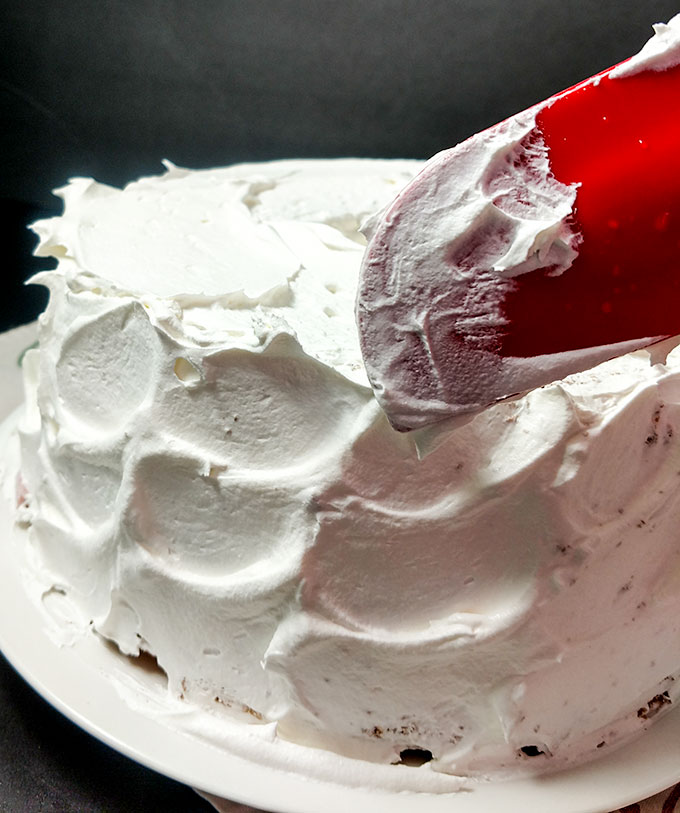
pixel 108 88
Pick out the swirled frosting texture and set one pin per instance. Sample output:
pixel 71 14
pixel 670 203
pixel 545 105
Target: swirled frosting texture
pixel 211 480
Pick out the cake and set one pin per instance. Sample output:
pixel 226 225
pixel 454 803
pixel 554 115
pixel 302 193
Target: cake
pixel 206 477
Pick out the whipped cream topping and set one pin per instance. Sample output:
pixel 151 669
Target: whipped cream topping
pixel 260 243
pixel 659 53
pixel 210 479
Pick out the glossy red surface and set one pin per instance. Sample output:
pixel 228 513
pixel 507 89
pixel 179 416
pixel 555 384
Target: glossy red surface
pixel 620 140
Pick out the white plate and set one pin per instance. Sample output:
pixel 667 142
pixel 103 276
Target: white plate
pixel 79 681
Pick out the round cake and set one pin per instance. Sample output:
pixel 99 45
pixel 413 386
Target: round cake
pixel 207 477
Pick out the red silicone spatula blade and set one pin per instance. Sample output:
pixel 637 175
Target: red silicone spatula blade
pixel 446 329
pixel 619 140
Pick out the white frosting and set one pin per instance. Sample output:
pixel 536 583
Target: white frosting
pixel 211 480
pixel 660 52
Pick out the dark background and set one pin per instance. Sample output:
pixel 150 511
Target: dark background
pixel 108 88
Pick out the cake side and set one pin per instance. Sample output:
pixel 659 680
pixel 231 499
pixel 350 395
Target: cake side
pixel 209 478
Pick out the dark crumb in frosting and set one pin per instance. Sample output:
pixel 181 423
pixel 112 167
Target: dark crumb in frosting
pixel 654 706
pixel 253 712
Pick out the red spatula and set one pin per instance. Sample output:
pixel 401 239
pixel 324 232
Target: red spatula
pixel 536 249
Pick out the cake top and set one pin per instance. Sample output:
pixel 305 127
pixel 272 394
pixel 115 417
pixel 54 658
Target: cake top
pixel 165 236
pixel 233 253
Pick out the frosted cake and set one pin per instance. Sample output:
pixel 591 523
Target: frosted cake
pixel 206 475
